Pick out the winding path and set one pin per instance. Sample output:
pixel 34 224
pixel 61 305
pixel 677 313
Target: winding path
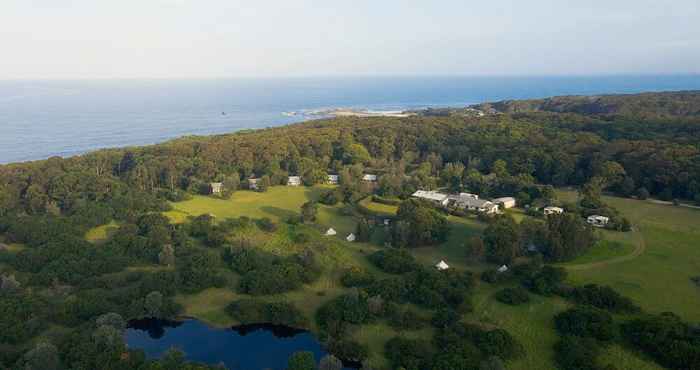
pixel 638 251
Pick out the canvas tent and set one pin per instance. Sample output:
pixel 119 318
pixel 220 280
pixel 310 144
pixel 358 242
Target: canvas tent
pixel 351 238
pixel 331 232
pixel 503 268
pixel 442 266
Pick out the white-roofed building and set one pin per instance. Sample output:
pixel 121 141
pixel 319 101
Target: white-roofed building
pixel 598 221
pixel 432 196
pixel 216 187
pixel 294 181
pixel 333 179
pixel 253 183
pixel 553 210
pixel 369 178
pixel 442 266
pixel 505 202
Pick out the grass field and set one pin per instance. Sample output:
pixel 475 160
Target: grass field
pixel 101 233
pixel 657 278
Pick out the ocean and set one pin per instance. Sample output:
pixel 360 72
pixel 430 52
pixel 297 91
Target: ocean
pixel 40 119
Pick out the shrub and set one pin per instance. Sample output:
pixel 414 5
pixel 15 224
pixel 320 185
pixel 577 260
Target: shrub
pixel 603 297
pixel 266 224
pixel 546 281
pixel 586 321
pixel 513 296
pixel 410 354
pixel 356 277
pixel 394 261
pixel 577 353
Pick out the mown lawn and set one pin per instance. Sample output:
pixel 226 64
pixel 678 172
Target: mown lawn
pixel 659 279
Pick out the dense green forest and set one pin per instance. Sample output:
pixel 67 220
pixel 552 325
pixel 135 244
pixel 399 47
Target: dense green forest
pixel 642 146
pixel 669 104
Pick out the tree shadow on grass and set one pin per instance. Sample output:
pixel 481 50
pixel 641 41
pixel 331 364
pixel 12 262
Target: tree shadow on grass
pixel 281 214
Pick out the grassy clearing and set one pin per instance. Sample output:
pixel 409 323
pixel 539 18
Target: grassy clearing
pixel 379 209
pixel 659 279
pixel 101 233
pixel 603 250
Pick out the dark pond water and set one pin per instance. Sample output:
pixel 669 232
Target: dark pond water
pixel 247 347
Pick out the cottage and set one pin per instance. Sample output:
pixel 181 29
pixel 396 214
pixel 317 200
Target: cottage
pixel 216 187
pixel 351 238
pixel 553 210
pixel 442 266
pixel 253 183
pixel 294 181
pixel 502 269
pixel 369 178
pixel 333 179
pixel 473 203
pixel 505 202
pixel 432 196
pixel 598 221
pixel 331 232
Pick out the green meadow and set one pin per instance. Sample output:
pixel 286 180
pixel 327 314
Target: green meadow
pixel 651 264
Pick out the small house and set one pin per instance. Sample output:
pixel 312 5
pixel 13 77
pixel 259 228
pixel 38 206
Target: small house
pixel 442 266
pixel 253 183
pixel 432 196
pixel 294 181
pixel 369 178
pixel 333 179
pixel 598 221
pixel 473 203
pixel 505 202
pixel 553 211
pixel 331 232
pixel 216 187
pixel 351 238
pixel 502 269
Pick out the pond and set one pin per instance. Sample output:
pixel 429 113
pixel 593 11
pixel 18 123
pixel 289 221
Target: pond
pixel 247 347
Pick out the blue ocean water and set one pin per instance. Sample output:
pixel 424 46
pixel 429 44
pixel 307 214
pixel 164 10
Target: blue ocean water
pixel 39 119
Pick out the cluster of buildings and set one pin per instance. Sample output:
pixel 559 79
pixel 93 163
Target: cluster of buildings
pixel 465 201
pixel 218 187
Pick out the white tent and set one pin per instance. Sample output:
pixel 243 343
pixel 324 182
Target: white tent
pixel 442 266
pixel 350 238
pixel 331 232
pixel 503 268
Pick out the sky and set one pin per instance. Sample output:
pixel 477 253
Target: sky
pixel 66 39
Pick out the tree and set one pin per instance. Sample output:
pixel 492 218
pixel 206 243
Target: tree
pixel 330 362
pixel 8 284
pixel 492 363
pixel 301 361
pixel 364 230
pixel 43 357
pixel 452 175
pixel 418 224
pixel 500 168
pixel 263 184
pixel 475 247
pixel 153 304
pixel 309 210
pixel 232 183
pixel 166 257
pixel 501 238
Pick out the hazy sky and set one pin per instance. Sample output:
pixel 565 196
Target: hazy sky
pixel 253 38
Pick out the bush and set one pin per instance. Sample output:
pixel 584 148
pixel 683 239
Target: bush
pixel 670 341
pixel 410 354
pixel 394 261
pixel 513 296
pixel 494 277
pixel 586 321
pixel 444 317
pixel 404 318
pixel 574 353
pixel 266 224
pixel 356 277
pixel 546 281
pixel 603 297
